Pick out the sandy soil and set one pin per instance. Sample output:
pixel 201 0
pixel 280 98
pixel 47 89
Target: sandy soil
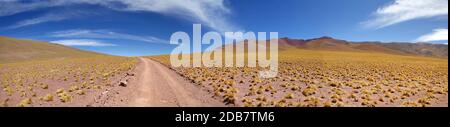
pixel 158 86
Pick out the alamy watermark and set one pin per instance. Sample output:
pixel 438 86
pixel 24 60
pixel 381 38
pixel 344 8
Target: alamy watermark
pixel 261 51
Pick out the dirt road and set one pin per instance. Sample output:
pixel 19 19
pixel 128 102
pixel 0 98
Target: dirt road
pixel 158 86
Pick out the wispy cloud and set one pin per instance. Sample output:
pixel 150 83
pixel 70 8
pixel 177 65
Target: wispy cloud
pixel 11 7
pixel 39 20
pixel 212 13
pixel 406 10
pixel 436 35
pixel 104 34
pixel 82 42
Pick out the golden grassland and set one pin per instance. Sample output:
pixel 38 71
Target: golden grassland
pixel 312 78
pixel 58 81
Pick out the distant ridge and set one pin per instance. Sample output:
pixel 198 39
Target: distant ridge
pixel 401 48
pixel 398 48
pixel 16 50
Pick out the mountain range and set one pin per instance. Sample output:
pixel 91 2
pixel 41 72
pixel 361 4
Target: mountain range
pixel 16 50
pixel 400 48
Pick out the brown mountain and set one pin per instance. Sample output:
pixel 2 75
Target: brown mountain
pixel 328 43
pixel 331 44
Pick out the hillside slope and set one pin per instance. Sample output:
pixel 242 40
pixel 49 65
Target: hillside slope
pixel 16 50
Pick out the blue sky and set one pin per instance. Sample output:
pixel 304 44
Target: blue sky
pixel 143 27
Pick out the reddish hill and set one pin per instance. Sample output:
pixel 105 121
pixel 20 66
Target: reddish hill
pixel 328 43
pixel 331 44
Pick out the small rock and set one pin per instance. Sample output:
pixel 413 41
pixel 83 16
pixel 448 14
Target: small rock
pixel 105 92
pixel 130 74
pixel 123 83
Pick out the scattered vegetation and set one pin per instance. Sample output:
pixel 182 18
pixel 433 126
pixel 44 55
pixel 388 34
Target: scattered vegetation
pixel 43 81
pixel 328 78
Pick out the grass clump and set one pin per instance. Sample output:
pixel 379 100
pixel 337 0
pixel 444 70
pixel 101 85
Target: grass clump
pixel 63 96
pixel 47 98
pixel 25 102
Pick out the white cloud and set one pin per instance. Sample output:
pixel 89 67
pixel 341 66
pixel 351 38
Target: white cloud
pixel 406 10
pixel 11 7
pixel 211 13
pixel 208 12
pixel 39 20
pixel 436 35
pixel 82 42
pixel 104 34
